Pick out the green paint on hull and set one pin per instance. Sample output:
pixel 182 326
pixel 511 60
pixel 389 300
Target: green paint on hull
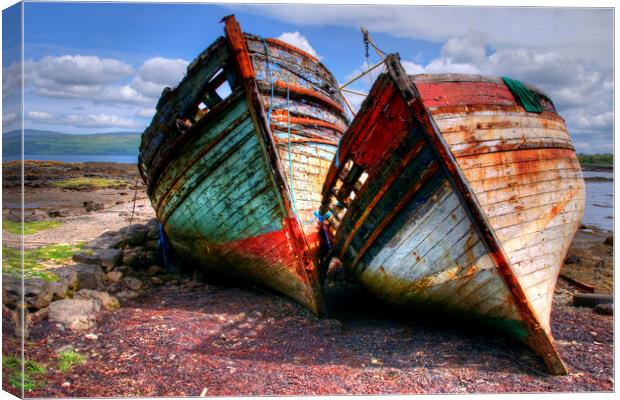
pixel 227 194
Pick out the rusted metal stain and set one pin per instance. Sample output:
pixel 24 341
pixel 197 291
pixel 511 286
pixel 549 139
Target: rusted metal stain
pixel 397 107
pixel 217 172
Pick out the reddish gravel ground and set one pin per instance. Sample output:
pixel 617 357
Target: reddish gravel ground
pixel 174 341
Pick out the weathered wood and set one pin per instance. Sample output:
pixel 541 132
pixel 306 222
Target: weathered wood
pixel 490 242
pixel 586 287
pixel 591 299
pixel 219 179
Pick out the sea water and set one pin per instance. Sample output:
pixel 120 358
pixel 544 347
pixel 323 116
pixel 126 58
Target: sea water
pixel 599 209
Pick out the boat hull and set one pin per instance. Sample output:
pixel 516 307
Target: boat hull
pixel 215 173
pixel 436 203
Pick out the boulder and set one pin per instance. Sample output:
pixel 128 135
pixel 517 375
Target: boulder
pixel 151 245
pixel 86 258
pixel 127 294
pixel 157 281
pixel 38 292
pixel 106 242
pixel 90 205
pixel 138 257
pixel 34 214
pixel 90 276
pixel 153 229
pixel 58 213
pixel 109 258
pixel 106 301
pixel 74 314
pixel 154 270
pixel 132 283
pixel 114 276
pixel 133 235
pixel 609 240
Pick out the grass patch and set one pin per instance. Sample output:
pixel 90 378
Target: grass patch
pixel 31 374
pixel 69 358
pixel 90 183
pixel 29 227
pixel 33 258
pixel 596 160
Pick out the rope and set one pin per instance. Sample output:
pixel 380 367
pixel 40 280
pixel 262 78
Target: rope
pixel 288 119
pixel 135 194
pixel 321 218
pixel 366 40
pixel 163 246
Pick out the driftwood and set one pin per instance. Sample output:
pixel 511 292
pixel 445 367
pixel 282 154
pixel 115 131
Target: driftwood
pixel 586 287
pixel 591 299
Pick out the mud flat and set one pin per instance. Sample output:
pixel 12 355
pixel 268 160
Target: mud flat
pixel 180 333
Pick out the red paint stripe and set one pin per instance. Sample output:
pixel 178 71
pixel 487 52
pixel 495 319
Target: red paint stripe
pixel 302 91
pixel 280 116
pixel 442 94
pixel 361 142
pixel 238 47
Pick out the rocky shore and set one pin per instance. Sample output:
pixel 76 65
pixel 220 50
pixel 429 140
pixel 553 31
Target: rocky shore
pixel 106 317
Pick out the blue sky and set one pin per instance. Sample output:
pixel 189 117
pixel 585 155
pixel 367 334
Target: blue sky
pixel 100 67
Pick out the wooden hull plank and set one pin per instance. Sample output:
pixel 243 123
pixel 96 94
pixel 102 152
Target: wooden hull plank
pixel 217 169
pixel 489 238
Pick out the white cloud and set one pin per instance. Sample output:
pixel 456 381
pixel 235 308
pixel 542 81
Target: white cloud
pixel 11 81
pixel 466 49
pixel 440 65
pixel 100 79
pixel 145 112
pixel 9 118
pixel 78 70
pixel 581 91
pixel 82 120
pixel 100 120
pixel 412 68
pixel 39 115
pixel 164 71
pixel 582 32
pixel 298 40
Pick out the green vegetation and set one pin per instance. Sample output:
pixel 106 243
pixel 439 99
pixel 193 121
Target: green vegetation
pixel 90 183
pixel 69 358
pixel 32 372
pixel 39 142
pixel 33 258
pixel 29 227
pixel 596 160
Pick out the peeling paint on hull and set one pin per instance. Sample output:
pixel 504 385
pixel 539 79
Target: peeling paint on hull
pixel 449 195
pixel 218 172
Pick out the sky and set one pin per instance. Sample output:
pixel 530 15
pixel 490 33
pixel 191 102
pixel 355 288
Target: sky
pixel 101 67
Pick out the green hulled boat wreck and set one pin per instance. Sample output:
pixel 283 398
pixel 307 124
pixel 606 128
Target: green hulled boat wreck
pixel 235 158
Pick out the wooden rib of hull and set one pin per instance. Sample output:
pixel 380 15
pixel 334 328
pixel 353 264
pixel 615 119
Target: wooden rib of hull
pixel 220 185
pixel 468 203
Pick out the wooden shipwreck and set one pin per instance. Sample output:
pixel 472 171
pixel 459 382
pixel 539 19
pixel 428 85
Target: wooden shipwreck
pixel 235 158
pixel 446 194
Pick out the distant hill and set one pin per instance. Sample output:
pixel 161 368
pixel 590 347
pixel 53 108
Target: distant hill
pixel 38 142
pixel 605 160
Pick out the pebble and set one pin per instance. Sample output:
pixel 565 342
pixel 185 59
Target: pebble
pixel 91 336
pixel 66 384
pixel 64 348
